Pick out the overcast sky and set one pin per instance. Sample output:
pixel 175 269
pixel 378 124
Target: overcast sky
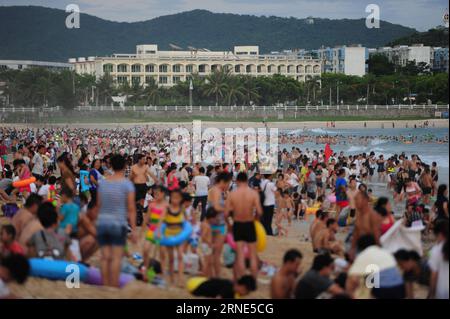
pixel 420 14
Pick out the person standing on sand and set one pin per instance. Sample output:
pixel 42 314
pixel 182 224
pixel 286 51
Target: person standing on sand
pixel 216 200
pixel 139 173
pixel 117 210
pixel 242 204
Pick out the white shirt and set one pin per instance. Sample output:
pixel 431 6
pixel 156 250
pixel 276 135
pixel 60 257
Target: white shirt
pixel 269 189
pixel 439 265
pixel 38 163
pixel 293 179
pixel 43 191
pixel 201 183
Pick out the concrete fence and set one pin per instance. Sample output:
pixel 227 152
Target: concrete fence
pixel 197 108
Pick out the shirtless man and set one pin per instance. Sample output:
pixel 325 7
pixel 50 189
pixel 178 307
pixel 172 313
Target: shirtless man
pixel 242 204
pixel 27 214
pixel 139 176
pixel 367 221
pixel 317 225
pixel 325 241
pixel 283 283
pixel 351 194
pixel 427 185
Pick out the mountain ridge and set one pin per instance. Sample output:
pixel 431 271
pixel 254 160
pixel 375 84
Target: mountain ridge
pixel 39 33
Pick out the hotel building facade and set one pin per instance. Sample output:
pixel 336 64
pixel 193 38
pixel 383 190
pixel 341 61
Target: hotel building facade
pixel 167 68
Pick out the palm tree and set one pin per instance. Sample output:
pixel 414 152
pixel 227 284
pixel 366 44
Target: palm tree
pixel 152 93
pixel 105 87
pixel 235 90
pixel 216 84
pixel 250 89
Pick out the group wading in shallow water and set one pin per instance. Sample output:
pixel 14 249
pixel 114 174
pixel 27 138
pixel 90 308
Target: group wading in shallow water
pixel 71 194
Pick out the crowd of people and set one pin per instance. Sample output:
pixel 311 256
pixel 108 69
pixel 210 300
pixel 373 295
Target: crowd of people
pixel 107 191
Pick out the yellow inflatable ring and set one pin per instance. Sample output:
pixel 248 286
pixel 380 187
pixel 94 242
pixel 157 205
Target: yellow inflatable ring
pixel 194 282
pixel 261 237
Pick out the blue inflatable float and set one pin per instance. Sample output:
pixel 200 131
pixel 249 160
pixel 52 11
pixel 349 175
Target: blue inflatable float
pixel 178 239
pixel 56 269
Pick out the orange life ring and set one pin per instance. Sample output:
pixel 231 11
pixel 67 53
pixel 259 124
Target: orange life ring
pixel 24 182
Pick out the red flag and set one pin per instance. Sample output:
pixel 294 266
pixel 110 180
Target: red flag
pixel 328 152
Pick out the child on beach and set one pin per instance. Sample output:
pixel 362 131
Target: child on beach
pixel 206 241
pixel 173 218
pixel 155 210
pixel 68 213
pixel 8 244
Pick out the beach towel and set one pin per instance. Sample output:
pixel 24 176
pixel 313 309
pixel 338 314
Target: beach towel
pixel 401 237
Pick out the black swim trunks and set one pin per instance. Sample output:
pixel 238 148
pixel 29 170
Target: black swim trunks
pixel 426 190
pixel 141 191
pixel 244 231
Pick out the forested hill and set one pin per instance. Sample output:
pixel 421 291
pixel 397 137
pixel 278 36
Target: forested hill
pixel 38 33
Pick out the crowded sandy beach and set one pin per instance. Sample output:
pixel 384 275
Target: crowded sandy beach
pixel 112 201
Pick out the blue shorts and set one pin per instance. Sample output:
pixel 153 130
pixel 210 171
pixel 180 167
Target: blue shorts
pixel 111 234
pixel 219 230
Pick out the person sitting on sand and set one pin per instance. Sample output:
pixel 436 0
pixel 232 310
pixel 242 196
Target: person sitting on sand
pixel 13 268
pixel 325 240
pixel 8 243
pixel 317 225
pixel 26 214
pixel 47 243
pixel 317 280
pixel 283 283
pixel 222 288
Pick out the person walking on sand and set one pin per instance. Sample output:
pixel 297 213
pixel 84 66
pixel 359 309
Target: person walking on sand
pixel 243 203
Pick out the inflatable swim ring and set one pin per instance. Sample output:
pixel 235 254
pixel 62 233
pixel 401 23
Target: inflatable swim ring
pixel 261 237
pixel 24 182
pixel 94 277
pixel 313 210
pixel 55 269
pixel 175 240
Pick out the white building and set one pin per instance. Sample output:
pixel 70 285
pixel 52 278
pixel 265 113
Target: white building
pixel 348 60
pixel 23 64
pixel 402 54
pixel 170 67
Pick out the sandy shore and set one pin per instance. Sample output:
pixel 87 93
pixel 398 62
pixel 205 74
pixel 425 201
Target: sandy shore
pixel 437 123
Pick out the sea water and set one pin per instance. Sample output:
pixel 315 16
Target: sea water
pixel 380 142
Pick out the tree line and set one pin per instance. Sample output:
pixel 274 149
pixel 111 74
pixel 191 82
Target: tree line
pixel 37 87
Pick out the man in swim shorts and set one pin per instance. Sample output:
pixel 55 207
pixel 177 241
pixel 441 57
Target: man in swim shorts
pixel 243 202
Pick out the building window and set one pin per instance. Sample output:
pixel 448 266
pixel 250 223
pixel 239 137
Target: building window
pixel 237 69
pixel 308 69
pixel 248 69
pixel 176 68
pixel 150 68
pixel 108 68
pixel 202 68
pixel 163 68
pixel 136 68
pixel 176 79
pixel 135 80
pixel 122 79
pixel 189 68
pixel 163 79
pixel 259 69
pixel 122 68
pixel 149 79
